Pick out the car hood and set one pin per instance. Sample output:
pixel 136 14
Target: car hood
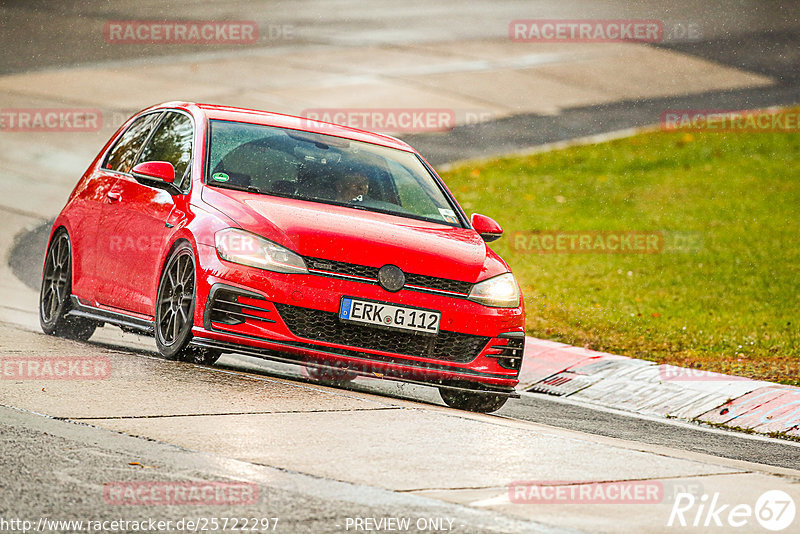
pixel 349 235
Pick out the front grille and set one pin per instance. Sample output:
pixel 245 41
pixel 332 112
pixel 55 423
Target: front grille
pixel 441 284
pixel 419 280
pixel 340 267
pixel 510 355
pixel 326 326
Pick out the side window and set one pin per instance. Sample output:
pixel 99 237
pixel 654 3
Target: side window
pixel 123 154
pixel 172 142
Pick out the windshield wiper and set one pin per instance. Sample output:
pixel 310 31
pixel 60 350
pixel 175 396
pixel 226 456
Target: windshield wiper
pixel 245 188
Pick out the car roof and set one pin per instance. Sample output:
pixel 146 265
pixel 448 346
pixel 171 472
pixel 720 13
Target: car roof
pixel 266 118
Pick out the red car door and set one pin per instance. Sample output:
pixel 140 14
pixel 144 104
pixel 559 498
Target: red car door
pixel 86 204
pixel 90 275
pixel 138 223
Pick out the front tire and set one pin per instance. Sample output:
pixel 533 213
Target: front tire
pixel 472 401
pixel 56 293
pixel 174 315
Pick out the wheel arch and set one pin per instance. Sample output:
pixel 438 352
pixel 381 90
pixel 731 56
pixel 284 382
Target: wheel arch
pixel 177 241
pixel 172 252
pixel 54 229
pixel 64 222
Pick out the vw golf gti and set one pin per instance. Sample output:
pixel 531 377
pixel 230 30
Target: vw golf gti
pixel 219 229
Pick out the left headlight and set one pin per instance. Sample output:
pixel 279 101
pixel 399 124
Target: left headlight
pixel 499 292
pixel 249 249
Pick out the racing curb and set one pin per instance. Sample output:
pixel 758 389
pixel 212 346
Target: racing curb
pixel 648 388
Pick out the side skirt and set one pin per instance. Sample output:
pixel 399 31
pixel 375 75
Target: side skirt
pixel 128 322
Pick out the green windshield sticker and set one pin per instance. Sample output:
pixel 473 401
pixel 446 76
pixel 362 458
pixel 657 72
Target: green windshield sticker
pixel 220 177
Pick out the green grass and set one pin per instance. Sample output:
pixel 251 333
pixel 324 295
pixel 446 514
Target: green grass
pixel 730 302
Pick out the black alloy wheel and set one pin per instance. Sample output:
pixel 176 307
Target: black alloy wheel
pixel 56 292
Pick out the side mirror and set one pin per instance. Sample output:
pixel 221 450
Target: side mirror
pixel 155 170
pixel 486 227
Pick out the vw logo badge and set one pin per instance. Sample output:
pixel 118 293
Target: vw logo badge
pixel 391 278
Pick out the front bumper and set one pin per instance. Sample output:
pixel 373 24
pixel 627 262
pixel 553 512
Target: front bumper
pixel 295 318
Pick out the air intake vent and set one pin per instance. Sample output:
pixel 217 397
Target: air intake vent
pixel 509 356
pixel 225 307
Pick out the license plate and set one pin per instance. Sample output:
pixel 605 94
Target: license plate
pixel 389 316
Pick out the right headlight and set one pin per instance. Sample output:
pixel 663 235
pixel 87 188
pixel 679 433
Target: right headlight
pixel 245 248
pixel 499 292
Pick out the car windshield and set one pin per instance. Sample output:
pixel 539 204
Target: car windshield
pixel 327 169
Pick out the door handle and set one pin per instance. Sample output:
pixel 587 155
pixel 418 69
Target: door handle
pixel 114 196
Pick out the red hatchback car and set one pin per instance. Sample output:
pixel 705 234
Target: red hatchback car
pixel 219 229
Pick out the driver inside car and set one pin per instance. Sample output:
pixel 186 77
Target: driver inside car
pixel 352 187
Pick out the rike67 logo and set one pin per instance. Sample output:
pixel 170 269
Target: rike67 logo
pixel 774 510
